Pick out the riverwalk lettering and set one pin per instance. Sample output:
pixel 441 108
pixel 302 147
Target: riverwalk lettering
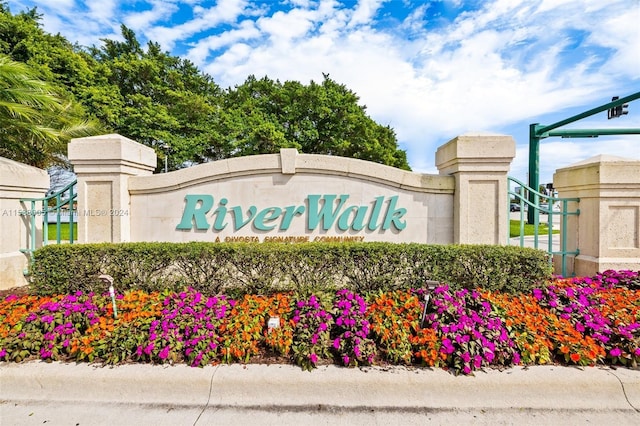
pixel 322 211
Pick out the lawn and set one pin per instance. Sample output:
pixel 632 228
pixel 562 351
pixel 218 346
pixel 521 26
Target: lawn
pixel 514 229
pixel 64 231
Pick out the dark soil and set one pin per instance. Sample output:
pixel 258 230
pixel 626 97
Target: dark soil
pixel 15 291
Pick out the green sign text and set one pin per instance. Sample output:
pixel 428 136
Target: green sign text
pixel 319 211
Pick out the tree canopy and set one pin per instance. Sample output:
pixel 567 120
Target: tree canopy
pixel 161 100
pixel 262 116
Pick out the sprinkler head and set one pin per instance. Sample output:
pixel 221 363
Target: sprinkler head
pixel 107 279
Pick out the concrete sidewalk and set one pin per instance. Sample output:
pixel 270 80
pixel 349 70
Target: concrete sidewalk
pixel 37 393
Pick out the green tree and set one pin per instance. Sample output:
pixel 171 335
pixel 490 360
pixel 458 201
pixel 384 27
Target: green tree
pixel 51 57
pixel 262 115
pixel 151 96
pixel 35 123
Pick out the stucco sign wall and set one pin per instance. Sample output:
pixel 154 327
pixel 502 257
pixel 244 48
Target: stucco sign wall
pixel 291 197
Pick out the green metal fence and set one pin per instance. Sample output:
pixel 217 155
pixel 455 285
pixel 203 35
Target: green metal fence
pixel 525 200
pixel 56 206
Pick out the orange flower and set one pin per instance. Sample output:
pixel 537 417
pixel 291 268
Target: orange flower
pixel 575 357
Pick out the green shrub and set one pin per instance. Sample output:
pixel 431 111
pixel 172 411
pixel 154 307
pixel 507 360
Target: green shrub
pixel 243 268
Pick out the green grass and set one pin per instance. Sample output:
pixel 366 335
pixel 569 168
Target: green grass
pixel 514 229
pixel 64 231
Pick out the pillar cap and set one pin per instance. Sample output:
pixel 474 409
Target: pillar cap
pixel 111 150
pixel 597 170
pixel 476 151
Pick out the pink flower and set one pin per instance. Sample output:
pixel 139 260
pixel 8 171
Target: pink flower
pixel 477 361
pixel 164 353
pixel 516 358
pixel 615 352
pixel 489 356
pixel 147 349
pixel 345 359
pixel 313 358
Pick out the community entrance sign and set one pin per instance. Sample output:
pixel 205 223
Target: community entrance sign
pixel 257 202
pixel 291 197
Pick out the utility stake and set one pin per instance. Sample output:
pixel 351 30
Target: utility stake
pixel 108 279
pixel 431 285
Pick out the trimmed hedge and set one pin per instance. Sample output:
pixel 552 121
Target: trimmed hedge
pixel 244 268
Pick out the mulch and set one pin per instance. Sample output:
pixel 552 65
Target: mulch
pixel 15 291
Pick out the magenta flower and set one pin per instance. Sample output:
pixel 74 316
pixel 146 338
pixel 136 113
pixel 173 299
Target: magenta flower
pixel 313 358
pixel 516 358
pixel 615 352
pixel 477 361
pixel 164 353
pixel 148 349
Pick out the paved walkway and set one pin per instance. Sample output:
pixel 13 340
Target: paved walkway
pixel 69 394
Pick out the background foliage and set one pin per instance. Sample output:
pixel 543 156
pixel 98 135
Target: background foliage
pixel 161 101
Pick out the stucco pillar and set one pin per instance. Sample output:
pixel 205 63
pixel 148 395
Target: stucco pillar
pixel 103 165
pixel 479 164
pixel 607 231
pixel 18 181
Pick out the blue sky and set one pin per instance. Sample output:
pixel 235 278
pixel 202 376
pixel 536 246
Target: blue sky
pixel 430 69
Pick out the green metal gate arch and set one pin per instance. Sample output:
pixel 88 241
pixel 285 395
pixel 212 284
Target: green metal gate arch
pixel 57 205
pixel 531 200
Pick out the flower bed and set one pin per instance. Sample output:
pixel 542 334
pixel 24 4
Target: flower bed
pixel 582 321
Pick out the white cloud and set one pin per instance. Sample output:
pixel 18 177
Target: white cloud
pixel 225 11
pixel 286 27
pixel 202 49
pixel 102 10
pixel 364 12
pixel 143 21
